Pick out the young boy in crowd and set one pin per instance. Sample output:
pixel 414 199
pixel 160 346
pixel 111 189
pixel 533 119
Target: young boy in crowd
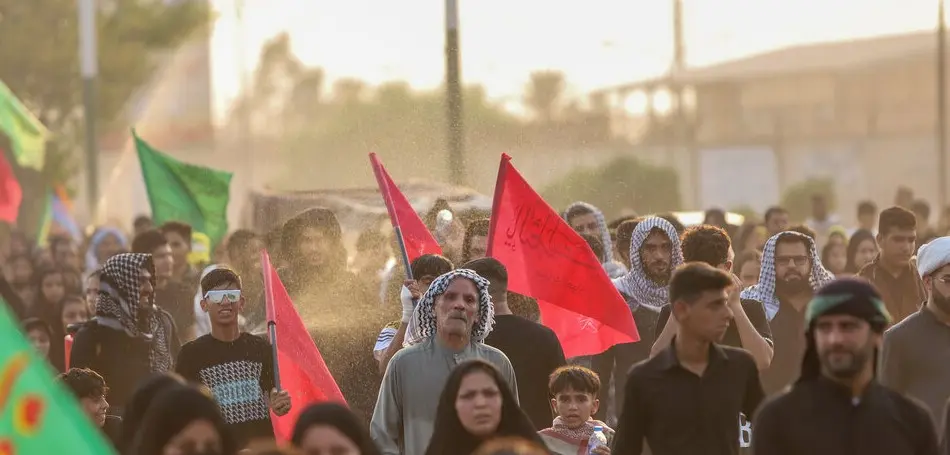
pixel 575 390
pixel 90 389
pixel 237 367
pixel 40 335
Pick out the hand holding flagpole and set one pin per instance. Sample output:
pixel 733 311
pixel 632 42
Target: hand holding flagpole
pixel 271 322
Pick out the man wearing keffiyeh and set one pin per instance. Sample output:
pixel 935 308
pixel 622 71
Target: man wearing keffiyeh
pixel 791 273
pixel 584 218
pixel 448 327
pixel 654 253
pixel 131 337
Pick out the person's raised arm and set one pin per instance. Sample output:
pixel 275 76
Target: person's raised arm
pixel 755 335
pixel 665 337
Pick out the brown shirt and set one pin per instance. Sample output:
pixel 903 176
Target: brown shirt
pixel 903 294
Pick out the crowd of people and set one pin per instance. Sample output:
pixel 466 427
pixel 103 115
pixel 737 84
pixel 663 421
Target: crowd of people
pixel 765 338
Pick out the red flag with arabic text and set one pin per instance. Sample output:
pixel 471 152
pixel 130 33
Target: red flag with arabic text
pixel 547 260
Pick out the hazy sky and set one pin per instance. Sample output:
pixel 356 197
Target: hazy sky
pixel 594 42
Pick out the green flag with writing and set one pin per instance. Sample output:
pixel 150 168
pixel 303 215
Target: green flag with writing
pixel 185 192
pixel 37 415
pixel 26 134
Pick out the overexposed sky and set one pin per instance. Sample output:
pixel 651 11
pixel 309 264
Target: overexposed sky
pixel 595 43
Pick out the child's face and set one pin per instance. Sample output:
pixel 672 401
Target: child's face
pixel 223 304
pixel 575 408
pixel 53 287
pixel 22 272
pixel 40 341
pixel 74 312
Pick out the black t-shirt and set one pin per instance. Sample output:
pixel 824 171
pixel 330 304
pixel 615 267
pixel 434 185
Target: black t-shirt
pixel 753 310
pixel 240 374
pixel 534 352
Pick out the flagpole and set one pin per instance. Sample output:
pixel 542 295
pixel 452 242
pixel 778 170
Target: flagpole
pixel 266 268
pixel 393 218
pixel 89 69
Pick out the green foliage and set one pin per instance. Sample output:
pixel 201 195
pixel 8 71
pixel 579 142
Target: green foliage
pixel 747 212
pixel 624 183
pixel 39 50
pixel 544 94
pixel 797 198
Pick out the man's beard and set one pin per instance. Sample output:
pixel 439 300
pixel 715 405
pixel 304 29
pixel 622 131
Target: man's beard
pixel 850 365
pixel 660 277
pixel 791 287
pixel 941 301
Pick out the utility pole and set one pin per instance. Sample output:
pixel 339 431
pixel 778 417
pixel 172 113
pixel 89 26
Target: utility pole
pixel 453 94
pixel 244 116
pixel 941 107
pixel 681 135
pixel 89 70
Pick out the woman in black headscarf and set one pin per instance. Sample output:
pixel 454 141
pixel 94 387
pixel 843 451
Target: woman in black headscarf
pixel 331 428
pixel 183 418
pixel 476 405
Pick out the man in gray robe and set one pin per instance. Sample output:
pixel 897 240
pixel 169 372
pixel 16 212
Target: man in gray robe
pixel 448 327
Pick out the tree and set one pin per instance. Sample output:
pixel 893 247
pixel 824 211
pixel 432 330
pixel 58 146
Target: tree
pixel 38 48
pixel 544 94
pixel 797 198
pixel 623 183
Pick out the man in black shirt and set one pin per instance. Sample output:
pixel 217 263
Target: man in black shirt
pixel 687 399
pixel 836 406
pixel 237 367
pixel 533 349
pixel 749 328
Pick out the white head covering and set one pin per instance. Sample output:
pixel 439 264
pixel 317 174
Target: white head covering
pixel 932 256
pixel 423 322
pixel 601 226
pixel 764 291
pixel 636 284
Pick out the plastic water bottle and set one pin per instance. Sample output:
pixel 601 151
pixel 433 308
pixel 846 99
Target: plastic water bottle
pixel 596 440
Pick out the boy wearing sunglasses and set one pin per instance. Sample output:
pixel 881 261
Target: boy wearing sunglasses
pixel 237 367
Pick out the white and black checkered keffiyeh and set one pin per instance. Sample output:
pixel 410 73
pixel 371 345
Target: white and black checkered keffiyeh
pixel 422 325
pixel 118 305
pixel 764 291
pixel 614 269
pixel 601 226
pixel 636 284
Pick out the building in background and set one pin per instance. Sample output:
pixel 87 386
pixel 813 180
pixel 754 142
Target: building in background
pixel 861 111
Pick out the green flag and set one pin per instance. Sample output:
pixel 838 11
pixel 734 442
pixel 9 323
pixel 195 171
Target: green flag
pixel 37 415
pixel 27 135
pixel 185 192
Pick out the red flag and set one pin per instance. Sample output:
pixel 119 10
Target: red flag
pixel 11 194
pixel 303 373
pixel 547 260
pixel 415 235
